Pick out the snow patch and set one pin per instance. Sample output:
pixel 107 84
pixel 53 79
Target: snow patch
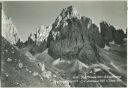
pixel 6 75
pixel 78 65
pixel 113 42
pixel 9 59
pixel 35 73
pixel 114 66
pixel 97 69
pixel 65 61
pixel 30 71
pixel 46 74
pixel 42 66
pixel 56 62
pixel 104 66
pixel 30 56
pixel 17 83
pixel 106 47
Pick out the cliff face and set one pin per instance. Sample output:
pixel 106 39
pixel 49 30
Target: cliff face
pixel 9 30
pixel 71 37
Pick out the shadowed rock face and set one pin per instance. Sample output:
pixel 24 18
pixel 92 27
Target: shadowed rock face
pixel 119 36
pixel 71 37
pixel 109 34
pixel 94 36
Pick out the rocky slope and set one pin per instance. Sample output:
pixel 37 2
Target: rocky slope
pixel 96 75
pixel 19 70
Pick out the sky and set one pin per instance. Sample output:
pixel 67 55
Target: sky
pixel 27 15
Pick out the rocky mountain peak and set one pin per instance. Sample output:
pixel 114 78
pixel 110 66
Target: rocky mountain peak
pixel 41 33
pixel 70 36
pixel 67 13
pixel 9 30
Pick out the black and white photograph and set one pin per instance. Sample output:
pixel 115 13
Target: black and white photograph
pixel 63 44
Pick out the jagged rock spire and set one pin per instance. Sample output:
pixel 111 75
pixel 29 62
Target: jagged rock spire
pixel 9 30
pixel 41 33
pixel 67 13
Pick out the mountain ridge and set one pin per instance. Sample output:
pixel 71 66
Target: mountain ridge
pixel 71 47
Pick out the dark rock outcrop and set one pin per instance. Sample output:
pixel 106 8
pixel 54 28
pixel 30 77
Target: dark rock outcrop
pixel 109 33
pixel 119 36
pixel 94 36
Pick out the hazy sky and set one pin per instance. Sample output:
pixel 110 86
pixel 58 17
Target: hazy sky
pixel 28 15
